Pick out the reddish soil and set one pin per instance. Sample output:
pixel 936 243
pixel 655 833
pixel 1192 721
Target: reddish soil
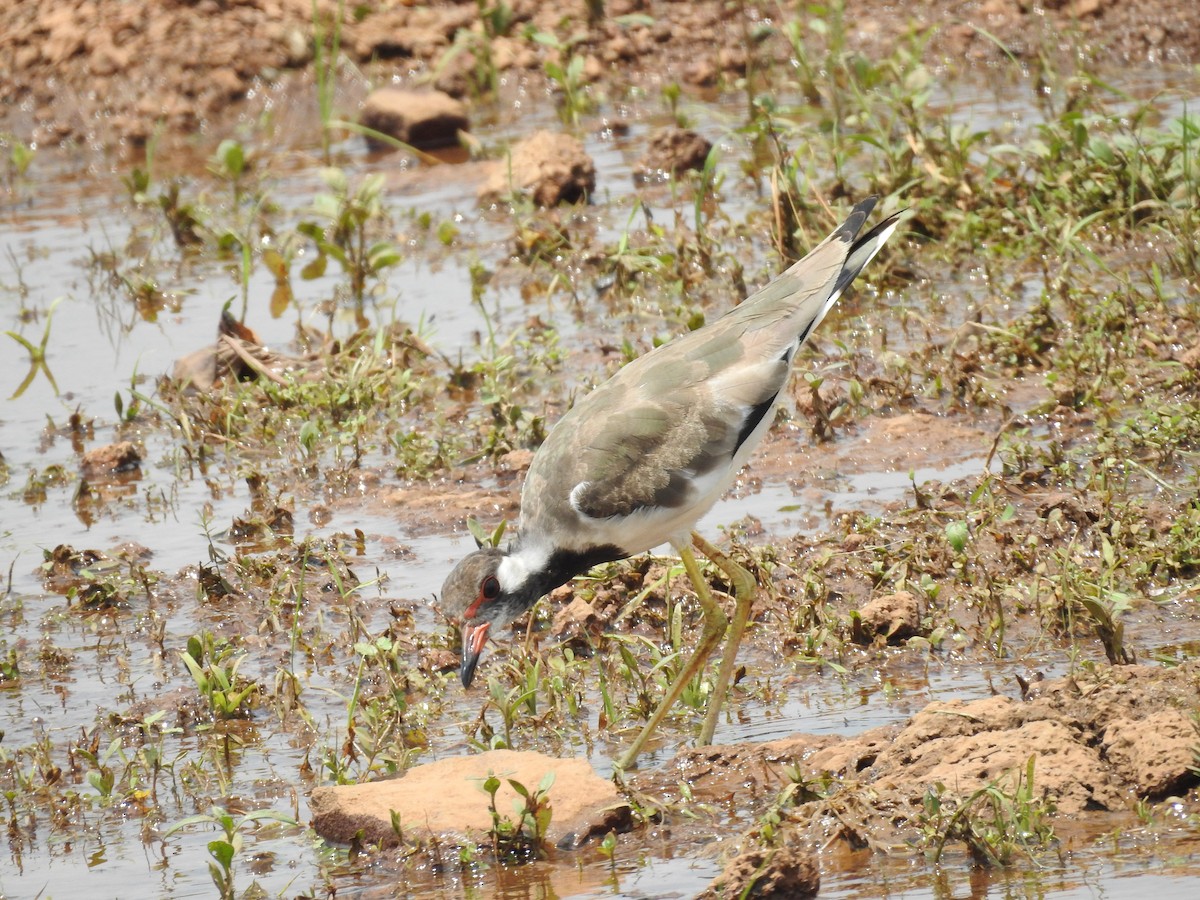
pixel 107 71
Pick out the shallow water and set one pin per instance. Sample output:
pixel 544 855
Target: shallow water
pixel 73 208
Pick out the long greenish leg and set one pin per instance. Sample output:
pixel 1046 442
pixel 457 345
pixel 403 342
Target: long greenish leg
pixel 715 625
pixel 743 590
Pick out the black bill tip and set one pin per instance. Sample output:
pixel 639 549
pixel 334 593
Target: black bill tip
pixel 474 637
pixel 467 671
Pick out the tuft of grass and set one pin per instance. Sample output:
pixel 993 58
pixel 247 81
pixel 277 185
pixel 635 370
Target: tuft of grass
pixel 225 850
pixel 999 826
pixel 327 44
pixel 521 839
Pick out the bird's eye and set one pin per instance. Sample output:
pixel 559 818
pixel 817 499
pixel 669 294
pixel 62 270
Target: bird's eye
pixel 491 587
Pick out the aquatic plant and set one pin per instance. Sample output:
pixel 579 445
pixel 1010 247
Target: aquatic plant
pixel 348 228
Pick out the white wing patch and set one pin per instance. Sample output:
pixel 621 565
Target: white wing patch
pixel 575 494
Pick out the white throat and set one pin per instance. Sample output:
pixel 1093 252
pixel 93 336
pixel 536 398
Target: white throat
pixel 522 562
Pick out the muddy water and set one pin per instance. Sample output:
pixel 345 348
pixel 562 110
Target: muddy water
pixel 69 212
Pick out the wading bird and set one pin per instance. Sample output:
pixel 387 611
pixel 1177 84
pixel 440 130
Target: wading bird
pixel 641 458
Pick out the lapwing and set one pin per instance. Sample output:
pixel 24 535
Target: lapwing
pixel 639 460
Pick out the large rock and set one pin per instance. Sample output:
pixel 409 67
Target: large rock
pixel 423 119
pixel 550 168
pixel 444 800
pixel 1156 753
pixel 966 745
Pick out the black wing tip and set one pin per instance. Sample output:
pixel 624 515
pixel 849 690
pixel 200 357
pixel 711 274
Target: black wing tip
pixel 849 229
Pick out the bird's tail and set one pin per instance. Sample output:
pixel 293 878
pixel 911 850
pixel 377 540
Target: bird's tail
pixel 864 248
pixel 862 251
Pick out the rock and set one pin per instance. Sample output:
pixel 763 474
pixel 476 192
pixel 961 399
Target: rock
pixel 504 53
pixel 515 461
pixel 965 746
pixel 593 69
pixel 226 82
pixel 774 873
pixel 854 541
pixel 551 168
pixel 732 59
pixel 423 119
pixel 1097 740
pixel 1073 507
pixel 439 660
pixel 456 76
pixel 381 41
pixel 1155 753
pixel 577 618
pixel 444 800
pixel 64 41
pixel 702 72
pixel 1191 358
pixel 895 617
pixel 119 457
pixel 1065 769
pixel 619 48
pixel 671 151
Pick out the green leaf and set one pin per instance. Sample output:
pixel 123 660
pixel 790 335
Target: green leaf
pixel 542 820
pixel 957 535
pixel 198 819
pixel 222 852
pixel 482 539
pixel 232 157
pixel 198 675
pixel 275 263
pixel 311 230
pixel 315 268
pixel 546 39
pixel 608 846
pixel 269 815
pixel 382 255
pixel 335 178
pixel 326 206
pixel 519 788
pixel 23 342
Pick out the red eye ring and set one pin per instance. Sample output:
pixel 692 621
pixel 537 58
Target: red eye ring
pixel 490 588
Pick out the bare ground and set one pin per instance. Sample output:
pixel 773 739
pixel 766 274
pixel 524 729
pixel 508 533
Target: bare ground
pixel 105 72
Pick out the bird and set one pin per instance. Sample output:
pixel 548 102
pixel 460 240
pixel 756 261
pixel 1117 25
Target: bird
pixel 641 458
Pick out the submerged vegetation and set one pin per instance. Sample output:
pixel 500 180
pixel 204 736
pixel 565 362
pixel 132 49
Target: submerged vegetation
pixel 1046 295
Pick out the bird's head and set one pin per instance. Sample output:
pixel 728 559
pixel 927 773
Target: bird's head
pixel 475 597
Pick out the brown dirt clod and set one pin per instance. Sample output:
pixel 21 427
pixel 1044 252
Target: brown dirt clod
pixel 423 119
pixel 774 873
pixel 549 167
pixel 123 456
